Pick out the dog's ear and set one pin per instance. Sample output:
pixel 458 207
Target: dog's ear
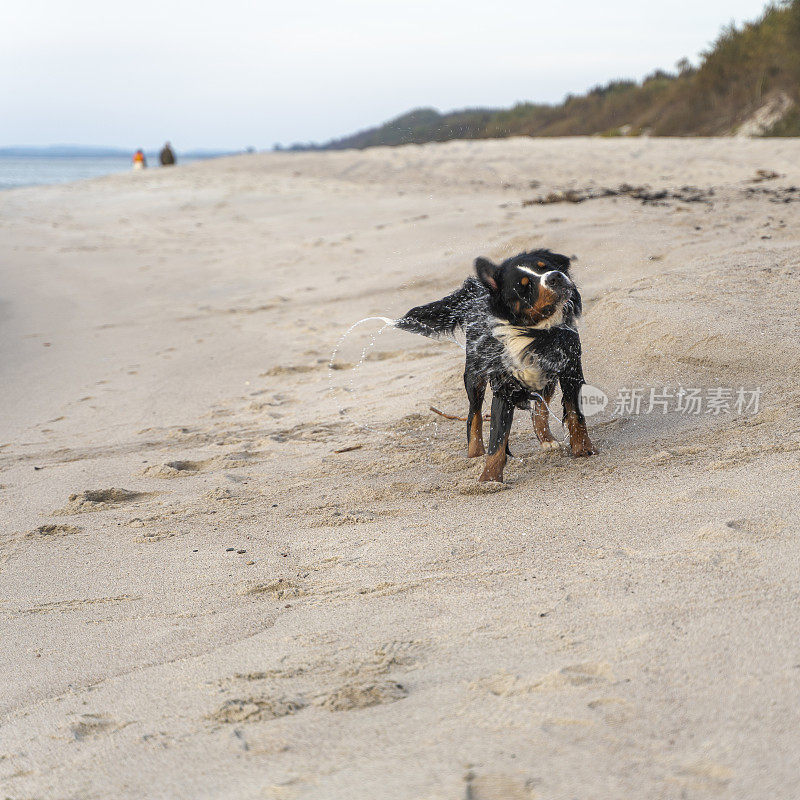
pixel 562 263
pixel 577 303
pixel 487 272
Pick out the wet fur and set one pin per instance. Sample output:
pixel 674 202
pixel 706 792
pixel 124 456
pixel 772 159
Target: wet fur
pixel 519 322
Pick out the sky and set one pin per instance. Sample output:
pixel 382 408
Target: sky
pixel 234 74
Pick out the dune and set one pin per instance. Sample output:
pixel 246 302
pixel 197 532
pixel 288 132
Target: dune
pixel 240 556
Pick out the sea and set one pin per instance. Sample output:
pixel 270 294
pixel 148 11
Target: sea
pixel 41 170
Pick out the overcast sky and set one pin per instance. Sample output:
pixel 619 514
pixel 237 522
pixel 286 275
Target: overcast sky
pixel 232 74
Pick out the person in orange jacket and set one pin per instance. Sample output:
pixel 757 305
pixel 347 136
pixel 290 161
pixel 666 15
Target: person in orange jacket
pixel 139 161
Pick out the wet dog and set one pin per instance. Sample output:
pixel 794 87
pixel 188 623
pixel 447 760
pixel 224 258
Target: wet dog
pixel 519 321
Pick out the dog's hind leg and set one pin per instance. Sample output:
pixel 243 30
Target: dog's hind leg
pixel 502 417
pixel 540 416
pixel 476 389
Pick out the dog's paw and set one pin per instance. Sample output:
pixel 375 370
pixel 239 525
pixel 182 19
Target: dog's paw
pixel 551 445
pixel 581 452
pixel 491 476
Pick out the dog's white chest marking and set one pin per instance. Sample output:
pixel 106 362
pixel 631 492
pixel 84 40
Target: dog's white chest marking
pixel 523 363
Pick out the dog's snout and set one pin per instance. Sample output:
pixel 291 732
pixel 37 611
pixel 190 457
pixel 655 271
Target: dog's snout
pixel 556 280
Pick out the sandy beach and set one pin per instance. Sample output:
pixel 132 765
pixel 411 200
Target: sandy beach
pixel 230 571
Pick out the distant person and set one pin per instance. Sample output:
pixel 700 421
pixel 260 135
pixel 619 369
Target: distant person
pixel 166 156
pixel 139 161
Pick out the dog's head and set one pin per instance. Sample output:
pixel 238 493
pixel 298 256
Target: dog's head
pixel 533 289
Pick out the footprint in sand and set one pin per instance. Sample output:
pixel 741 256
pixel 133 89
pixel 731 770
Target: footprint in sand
pixel 256 709
pixel 173 469
pixel 758 529
pixel 276 400
pixel 349 696
pixel 89 725
pixel 154 536
pixel 498 787
pixel 706 775
pixel 614 710
pixel 504 684
pixel 288 370
pixel 98 500
pixel 280 589
pixel 221 495
pixel 754 530
pixel 353 696
pixel 52 531
pixel 337 518
pixel 306 432
pixel 184 468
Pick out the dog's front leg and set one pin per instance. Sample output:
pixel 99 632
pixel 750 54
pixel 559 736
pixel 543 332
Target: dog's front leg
pixel 579 441
pixel 540 416
pixel 502 417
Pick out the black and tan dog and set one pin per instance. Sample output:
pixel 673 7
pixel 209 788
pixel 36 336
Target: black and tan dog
pixel 519 322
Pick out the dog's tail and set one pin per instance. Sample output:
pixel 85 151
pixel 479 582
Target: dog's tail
pixel 443 317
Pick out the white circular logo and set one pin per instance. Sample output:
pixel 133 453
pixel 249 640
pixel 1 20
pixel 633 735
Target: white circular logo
pixel 591 400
